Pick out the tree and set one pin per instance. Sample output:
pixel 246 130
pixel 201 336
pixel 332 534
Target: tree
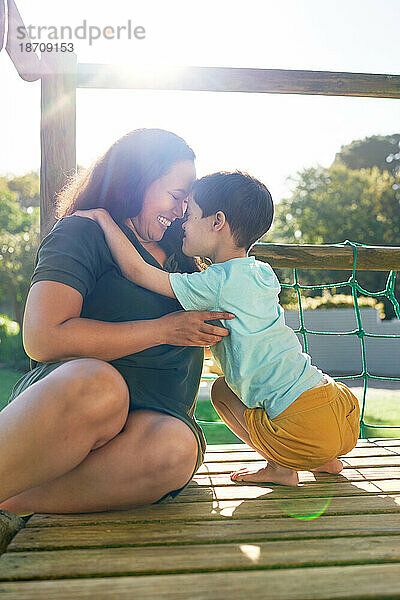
pixel 19 235
pixel 330 205
pixel 26 188
pixel 382 151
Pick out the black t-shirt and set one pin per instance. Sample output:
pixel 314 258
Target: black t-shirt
pixel 164 378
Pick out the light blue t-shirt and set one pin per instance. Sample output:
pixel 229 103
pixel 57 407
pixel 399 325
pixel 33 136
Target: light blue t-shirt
pixel 262 359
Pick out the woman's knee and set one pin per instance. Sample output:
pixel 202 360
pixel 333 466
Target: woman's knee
pixel 175 458
pixel 97 391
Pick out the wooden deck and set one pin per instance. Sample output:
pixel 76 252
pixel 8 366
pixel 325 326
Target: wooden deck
pixel 332 537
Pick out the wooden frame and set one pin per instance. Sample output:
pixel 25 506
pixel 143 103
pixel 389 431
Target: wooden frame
pixel 61 75
pixel 229 79
pixel 302 256
pixel 57 133
pixel 70 75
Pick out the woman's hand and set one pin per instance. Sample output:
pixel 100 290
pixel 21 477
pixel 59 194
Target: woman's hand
pixel 188 328
pixel 95 214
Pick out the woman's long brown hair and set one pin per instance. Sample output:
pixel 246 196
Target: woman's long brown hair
pixel 118 181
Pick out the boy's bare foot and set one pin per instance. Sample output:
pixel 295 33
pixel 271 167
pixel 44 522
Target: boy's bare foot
pixel 268 474
pixel 333 466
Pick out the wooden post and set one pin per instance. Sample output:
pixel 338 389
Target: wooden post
pixel 57 131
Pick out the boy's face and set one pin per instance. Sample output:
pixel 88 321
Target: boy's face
pixel 198 229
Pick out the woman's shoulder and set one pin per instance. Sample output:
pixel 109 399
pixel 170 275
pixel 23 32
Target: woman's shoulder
pixel 74 253
pixel 78 234
pixel 75 225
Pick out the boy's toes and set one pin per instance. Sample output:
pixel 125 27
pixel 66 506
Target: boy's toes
pixel 245 474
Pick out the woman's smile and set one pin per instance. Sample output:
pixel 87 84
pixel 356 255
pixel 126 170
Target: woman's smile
pixel 164 221
pixel 164 201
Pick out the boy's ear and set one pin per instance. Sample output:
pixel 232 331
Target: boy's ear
pixel 219 221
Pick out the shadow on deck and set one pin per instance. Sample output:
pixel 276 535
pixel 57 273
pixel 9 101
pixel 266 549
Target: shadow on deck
pixel 331 537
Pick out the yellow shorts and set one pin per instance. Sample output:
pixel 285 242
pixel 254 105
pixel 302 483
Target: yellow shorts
pixel 321 424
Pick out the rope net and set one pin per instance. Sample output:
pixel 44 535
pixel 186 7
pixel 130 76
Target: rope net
pixel 356 289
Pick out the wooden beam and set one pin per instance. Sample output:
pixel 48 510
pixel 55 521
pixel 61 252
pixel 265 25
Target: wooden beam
pixel 57 131
pixel 372 258
pixel 227 79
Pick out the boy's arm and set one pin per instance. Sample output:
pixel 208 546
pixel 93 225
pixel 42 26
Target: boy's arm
pixel 132 265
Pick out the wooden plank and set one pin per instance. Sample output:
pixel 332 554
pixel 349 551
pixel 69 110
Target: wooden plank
pixel 9 525
pixel 201 532
pixel 211 448
pixel 213 468
pixel 328 489
pixel 374 461
pixel 216 510
pixel 229 79
pixel 57 131
pixel 214 457
pixel 316 490
pixel 386 442
pixel 206 557
pixel 313 583
pixel 388 486
pixel 373 258
pixel 348 474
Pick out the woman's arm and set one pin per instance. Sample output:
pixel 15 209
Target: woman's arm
pixel 53 329
pixel 132 265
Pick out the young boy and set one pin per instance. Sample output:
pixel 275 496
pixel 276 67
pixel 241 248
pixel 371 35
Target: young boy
pixel 271 396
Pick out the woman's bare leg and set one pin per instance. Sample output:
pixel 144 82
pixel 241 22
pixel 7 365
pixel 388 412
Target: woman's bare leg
pixel 231 410
pixel 154 454
pixel 52 426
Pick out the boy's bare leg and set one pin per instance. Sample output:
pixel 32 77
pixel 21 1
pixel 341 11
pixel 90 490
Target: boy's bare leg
pixel 334 467
pixel 231 410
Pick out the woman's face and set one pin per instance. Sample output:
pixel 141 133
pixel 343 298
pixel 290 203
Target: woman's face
pixel 165 200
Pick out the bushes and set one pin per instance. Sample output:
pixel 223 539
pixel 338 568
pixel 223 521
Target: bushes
pixel 334 301
pixel 11 348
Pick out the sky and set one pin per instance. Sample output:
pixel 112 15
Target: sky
pixel 269 135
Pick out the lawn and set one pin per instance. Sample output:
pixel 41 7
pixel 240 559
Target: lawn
pixel 382 408
pixel 8 377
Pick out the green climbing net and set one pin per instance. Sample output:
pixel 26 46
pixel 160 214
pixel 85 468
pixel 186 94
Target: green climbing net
pixel 360 332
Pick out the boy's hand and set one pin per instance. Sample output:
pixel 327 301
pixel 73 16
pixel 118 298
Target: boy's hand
pixel 95 214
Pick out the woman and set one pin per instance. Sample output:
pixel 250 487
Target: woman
pixel 104 420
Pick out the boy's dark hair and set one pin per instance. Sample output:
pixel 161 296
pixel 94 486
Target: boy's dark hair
pixel 245 201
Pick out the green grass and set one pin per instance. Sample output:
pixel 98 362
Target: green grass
pixel 382 408
pixel 8 378
pixel 218 433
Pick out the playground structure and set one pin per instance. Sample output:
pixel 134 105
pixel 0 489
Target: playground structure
pixel 349 524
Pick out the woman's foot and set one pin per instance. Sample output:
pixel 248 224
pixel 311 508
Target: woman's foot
pixel 333 466
pixel 269 474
